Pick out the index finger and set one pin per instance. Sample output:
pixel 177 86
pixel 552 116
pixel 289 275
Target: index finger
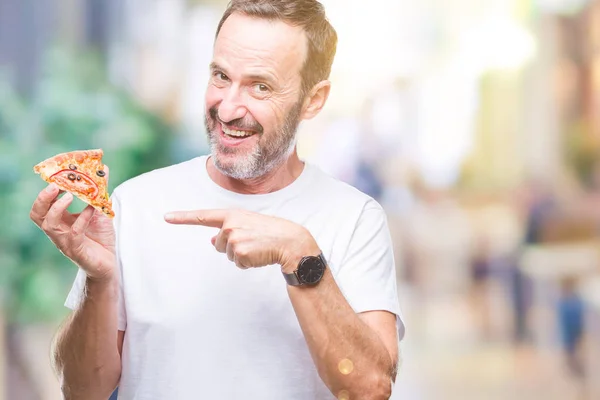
pixel 212 218
pixel 43 202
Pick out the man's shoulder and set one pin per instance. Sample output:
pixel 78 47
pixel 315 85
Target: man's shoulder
pixel 159 179
pixel 340 192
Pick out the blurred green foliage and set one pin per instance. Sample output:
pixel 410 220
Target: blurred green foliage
pixel 73 107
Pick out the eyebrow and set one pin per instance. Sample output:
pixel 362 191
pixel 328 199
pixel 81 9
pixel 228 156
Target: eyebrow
pixel 216 67
pixel 255 77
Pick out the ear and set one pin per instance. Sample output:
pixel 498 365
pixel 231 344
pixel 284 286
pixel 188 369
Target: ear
pixel 315 101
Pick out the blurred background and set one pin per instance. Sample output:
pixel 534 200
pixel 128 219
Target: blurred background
pixel 476 124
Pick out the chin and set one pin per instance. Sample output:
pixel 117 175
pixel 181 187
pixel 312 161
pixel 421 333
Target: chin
pixel 236 167
pixel 248 165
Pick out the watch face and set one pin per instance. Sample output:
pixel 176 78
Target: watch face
pixel 311 270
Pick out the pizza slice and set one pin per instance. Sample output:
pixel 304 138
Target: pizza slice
pixel 80 173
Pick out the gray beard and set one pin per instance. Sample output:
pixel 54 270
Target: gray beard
pixel 253 165
pixel 264 157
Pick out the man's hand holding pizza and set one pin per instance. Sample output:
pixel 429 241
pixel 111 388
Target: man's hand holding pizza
pixel 87 238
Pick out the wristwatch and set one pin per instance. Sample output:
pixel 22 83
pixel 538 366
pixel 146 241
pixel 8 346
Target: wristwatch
pixel 309 272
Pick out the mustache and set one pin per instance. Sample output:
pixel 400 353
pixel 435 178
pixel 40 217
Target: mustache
pixel 239 124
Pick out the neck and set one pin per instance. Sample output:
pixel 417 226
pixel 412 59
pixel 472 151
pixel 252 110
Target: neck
pixel 274 180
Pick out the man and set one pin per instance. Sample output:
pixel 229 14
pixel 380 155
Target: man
pixel 274 282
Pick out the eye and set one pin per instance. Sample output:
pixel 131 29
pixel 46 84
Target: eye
pixel 220 76
pixel 261 88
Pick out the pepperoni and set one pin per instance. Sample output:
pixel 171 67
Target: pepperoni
pixel 83 184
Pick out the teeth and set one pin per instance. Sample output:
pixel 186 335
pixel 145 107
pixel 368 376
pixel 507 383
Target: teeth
pixel 235 133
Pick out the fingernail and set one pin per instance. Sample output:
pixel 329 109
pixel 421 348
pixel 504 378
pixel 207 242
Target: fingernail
pixel 67 197
pixel 169 216
pixel 51 187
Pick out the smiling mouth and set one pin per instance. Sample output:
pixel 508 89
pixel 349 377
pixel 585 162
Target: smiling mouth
pixel 236 133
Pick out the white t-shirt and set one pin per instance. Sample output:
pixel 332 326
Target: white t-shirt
pixel 198 327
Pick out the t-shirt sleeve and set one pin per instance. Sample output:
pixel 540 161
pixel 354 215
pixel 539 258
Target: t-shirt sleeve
pixel 367 274
pixel 75 296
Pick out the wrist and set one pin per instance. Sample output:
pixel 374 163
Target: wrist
pixel 101 273
pixel 103 288
pixel 105 279
pixel 304 246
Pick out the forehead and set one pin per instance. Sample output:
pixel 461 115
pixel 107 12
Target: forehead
pixel 248 44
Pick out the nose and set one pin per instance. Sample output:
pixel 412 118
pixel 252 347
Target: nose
pixel 232 106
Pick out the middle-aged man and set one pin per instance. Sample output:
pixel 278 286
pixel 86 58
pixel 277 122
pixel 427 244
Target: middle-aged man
pixel 246 274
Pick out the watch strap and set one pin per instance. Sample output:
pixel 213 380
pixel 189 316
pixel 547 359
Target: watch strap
pixel 292 279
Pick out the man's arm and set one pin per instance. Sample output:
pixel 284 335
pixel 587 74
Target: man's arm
pixel 355 353
pixel 87 348
pixel 85 352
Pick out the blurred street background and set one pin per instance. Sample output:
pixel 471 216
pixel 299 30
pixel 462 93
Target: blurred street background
pixel 475 123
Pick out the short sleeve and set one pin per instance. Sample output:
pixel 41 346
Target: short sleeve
pixel 367 274
pixel 75 296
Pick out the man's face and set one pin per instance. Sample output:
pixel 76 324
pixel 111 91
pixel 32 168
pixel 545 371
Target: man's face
pixel 253 102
